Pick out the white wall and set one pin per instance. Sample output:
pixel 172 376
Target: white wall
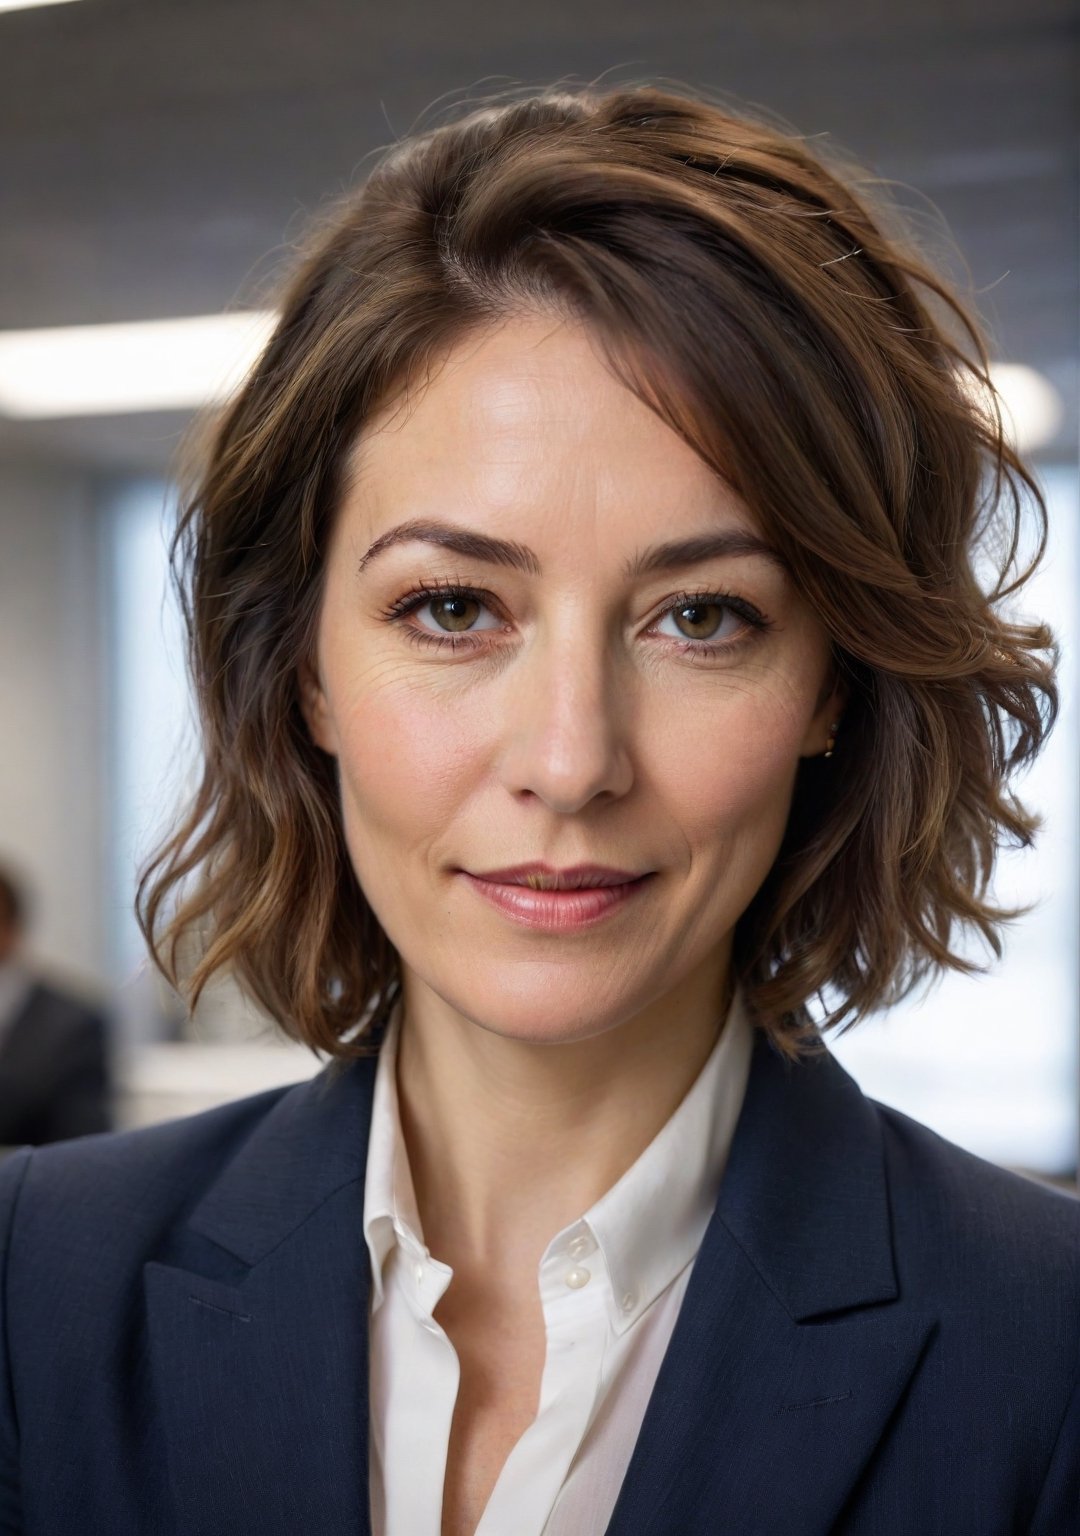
pixel 52 713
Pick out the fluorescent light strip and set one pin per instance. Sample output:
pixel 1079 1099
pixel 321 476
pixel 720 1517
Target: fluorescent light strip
pixel 160 365
pixel 110 370
pixel 28 5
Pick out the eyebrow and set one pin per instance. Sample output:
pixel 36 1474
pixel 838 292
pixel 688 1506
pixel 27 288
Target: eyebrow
pixel 658 557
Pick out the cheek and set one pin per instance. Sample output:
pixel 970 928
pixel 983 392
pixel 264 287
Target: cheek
pixel 405 764
pixel 733 777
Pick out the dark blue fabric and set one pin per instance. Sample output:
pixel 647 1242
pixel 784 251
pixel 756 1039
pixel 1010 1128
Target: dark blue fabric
pixel 879 1338
pixel 55 1070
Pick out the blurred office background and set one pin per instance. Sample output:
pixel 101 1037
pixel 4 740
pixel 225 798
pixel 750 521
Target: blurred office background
pixel 156 161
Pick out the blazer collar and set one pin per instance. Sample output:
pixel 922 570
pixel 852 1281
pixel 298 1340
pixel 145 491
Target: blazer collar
pixel 800 1236
pixel 257 1319
pixel 806 1194
pixel 793 1344
pixel 312 1144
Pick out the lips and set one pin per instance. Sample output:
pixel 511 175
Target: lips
pixel 559 912
pixel 545 877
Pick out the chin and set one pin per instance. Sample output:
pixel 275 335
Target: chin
pixel 540 1016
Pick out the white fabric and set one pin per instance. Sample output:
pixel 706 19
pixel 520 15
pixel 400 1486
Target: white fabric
pixel 605 1338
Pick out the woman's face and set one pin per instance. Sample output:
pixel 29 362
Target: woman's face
pixel 556 689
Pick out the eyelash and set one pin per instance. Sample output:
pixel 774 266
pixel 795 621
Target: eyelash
pixel 702 650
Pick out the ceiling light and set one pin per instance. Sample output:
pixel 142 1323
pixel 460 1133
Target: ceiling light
pixel 146 365
pixel 1031 408
pixel 26 5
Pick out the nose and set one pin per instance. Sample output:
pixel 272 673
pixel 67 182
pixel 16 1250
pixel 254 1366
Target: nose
pixel 566 723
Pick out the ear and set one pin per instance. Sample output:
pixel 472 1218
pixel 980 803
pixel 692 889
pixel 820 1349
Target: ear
pixel 315 708
pixel 830 711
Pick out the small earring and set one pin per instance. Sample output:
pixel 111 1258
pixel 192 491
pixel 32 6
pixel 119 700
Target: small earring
pixel 833 728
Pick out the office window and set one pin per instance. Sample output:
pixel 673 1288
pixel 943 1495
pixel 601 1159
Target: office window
pixel 151 739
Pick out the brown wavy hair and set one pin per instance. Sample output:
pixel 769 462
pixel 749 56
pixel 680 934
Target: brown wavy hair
pixel 783 320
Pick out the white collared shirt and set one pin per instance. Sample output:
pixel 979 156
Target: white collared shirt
pixel 611 1285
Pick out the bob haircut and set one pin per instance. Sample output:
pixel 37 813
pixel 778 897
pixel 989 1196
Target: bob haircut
pixel 813 359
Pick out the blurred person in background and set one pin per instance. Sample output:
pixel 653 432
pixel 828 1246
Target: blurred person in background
pixel 593 672
pixel 55 1073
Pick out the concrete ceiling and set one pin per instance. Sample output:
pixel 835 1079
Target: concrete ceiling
pixel 157 158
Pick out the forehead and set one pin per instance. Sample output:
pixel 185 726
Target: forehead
pixel 526 419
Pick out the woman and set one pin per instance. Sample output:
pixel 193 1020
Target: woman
pixel 592 671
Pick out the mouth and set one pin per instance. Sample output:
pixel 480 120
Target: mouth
pixel 544 877
pixel 579 899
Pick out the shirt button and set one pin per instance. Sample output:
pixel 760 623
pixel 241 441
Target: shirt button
pixel 628 1301
pixel 419 1272
pixel 580 1246
pixel 577 1277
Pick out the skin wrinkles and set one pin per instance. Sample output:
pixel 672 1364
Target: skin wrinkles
pixel 574 731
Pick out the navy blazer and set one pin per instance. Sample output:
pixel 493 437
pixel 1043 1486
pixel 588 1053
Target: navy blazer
pixel 879 1336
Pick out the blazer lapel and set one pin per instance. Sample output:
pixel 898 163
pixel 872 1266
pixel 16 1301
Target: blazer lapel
pixel 792 1347
pixel 258 1327
pixel 793 1344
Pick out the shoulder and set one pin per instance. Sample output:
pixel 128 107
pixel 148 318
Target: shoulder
pixel 53 1008
pixel 994 1257
pixel 978 1199
pixel 128 1184
pixel 977 1235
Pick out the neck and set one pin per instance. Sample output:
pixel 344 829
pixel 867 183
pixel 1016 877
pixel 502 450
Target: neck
pixel 511 1140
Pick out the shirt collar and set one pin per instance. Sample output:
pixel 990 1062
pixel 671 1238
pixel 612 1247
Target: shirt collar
pixel 648 1226
pixel 390 1210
